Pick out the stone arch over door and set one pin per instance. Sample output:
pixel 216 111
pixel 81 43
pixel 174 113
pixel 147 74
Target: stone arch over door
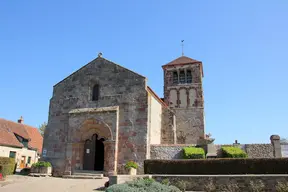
pixel 83 125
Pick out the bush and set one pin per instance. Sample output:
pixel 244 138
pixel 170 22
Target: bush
pixel 233 152
pixel 281 187
pixel 257 186
pixel 193 153
pixel 142 185
pixel 42 164
pixel 210 186
pixel 131 164
pixel 217 166
pixel 7 166
pixel 231 187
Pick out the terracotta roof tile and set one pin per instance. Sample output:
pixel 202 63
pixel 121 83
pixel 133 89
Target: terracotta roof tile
pixel 9 128
pixel 182 60
pixel 36 141
pixel 8 138
pixel 16 128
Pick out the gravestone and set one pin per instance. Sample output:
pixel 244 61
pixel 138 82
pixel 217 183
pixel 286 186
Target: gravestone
pixel 284 150
pixel 211 151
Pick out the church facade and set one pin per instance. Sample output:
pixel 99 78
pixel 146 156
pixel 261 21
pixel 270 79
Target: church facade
pixel 104 115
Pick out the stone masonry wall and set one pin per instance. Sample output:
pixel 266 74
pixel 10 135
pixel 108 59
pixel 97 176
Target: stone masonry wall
pixel 187 102
pixel 198 182
pixel 175 151
pixel 168 127
pixel 118 87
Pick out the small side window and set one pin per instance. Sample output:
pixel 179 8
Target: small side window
pixel 12 154
pixel 95 93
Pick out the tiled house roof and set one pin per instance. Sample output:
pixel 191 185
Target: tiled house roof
pixel 9 130
pixel 36 140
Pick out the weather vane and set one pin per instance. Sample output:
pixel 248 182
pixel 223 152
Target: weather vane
pixel 182 44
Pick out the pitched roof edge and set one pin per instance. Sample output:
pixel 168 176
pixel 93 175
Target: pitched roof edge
pixel 156 97
pixel 200 62
pixel 93 61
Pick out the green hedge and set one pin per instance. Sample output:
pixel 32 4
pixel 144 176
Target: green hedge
pixel 193 153
pixel 42 164
pixel 7 166
pixel 233 152
pixel 217 166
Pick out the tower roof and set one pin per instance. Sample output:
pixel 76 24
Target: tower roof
pixel 183 60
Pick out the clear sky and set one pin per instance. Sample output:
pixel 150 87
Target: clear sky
pixel 243 47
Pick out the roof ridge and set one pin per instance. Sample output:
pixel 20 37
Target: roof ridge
pixel 93 61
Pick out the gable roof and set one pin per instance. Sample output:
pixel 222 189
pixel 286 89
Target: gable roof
pixel 36 140
pixel 183 60
pixel 8 129
pixel 99 58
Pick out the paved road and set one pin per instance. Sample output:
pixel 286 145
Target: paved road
pixel 50 184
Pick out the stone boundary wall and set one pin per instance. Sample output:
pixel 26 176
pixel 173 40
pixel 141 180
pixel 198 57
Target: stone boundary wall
pixel 197 182
pixel 167 151
pixel 174 151
pixel 253 150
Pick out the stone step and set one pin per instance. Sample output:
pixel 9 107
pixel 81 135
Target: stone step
pixel 100 176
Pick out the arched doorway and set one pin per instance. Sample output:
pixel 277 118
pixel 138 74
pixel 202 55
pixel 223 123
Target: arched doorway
pixel 94 154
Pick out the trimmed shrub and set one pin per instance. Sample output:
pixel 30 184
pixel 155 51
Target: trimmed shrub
pixel 42 164
pixel 217 166
pixel 7 165
pixel 193 153
pixel 131 164
pixel 142 185
pixel 233 152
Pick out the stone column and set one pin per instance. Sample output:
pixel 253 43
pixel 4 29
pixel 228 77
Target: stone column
pixel 110 158
pixel 68 160
pixel 275 141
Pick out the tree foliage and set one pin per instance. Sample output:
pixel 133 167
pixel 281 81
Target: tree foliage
pixel 42 128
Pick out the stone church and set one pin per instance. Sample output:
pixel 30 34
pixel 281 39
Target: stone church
pixel 103 115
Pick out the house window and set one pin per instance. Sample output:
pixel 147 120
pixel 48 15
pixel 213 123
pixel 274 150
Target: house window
pixel 95 93
pixel 29 160
pixel 182 77
pixel 175 77
pixel 189 76
pixel 12 154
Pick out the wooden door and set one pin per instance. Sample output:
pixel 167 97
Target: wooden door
pixel 23 162
pixel 89 155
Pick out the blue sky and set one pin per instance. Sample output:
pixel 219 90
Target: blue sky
pixel 243 47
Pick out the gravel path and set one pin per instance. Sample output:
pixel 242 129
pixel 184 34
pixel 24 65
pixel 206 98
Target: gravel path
pixel 50 184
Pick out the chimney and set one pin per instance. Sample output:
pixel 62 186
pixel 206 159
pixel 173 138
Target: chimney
pixel 21 120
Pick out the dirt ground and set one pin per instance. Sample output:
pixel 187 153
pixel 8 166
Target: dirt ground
pixel 50 184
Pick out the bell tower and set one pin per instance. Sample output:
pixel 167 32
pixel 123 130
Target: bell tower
pixel 183 93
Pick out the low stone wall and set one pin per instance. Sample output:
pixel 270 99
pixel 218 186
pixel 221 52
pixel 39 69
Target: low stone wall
pixel 259 150
pixel 197 182
pixel 174 151
pixel 166 151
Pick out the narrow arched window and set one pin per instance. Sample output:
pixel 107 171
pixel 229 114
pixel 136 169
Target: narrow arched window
pixel 189 76
pixel 175 77
pixel 182 77
pixel 95 93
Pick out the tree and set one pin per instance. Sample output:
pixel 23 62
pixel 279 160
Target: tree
pixel 42 128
